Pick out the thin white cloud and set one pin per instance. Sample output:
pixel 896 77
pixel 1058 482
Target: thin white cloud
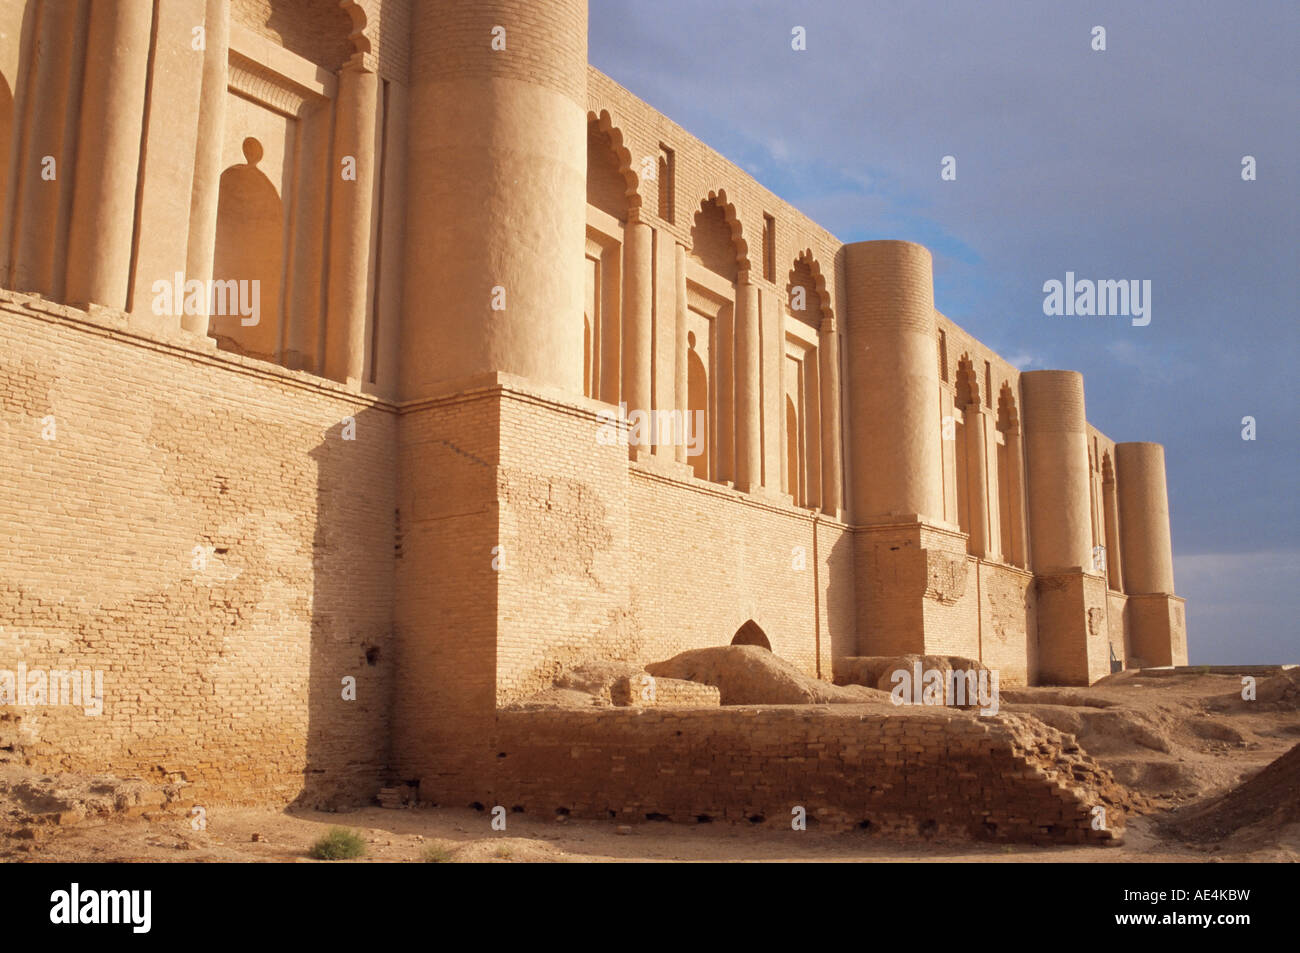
pixel 1023 360
pixel 1125 351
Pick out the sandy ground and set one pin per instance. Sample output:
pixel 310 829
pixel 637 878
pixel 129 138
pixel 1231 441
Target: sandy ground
pixel 464 835
pixel 1181 742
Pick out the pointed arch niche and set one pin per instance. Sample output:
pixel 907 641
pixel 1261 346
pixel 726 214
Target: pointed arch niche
pixel 1010 475
pixel 965 399
pixel 1110 510
pixel 715 264
pixel 808 320
pixel 611 196
pixel 751 634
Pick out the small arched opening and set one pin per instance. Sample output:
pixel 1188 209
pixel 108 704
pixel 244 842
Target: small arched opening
pixel 751 634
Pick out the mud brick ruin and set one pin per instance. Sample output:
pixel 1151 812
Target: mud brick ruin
pixel 450 259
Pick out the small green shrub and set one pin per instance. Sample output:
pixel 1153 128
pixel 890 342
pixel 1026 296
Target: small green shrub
pixel 437 854
pixel 339 843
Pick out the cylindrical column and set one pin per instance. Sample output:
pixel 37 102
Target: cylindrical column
pixel 681 394
pixel 1015 495
pixel 977 476
pixel 497 196
pixel 207 155
pixel 894 381
pixel 36 224
pixel 1114 545
pixel 1144 518
pixel 108 153
pixel 306 292
pixel 749 434
pixel 832 460
pixel 638 304
pixel 351 201
pixel 1056 451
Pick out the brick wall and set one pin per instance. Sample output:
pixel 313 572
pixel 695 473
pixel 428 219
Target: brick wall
pixel 710 558
pixel 914 771
pixel 546 44
pixel 564 525
pixel 701 171
pixel 1009 624
pixel 230 675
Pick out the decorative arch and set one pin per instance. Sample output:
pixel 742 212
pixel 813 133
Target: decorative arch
pixel 968 385
pixel 807 271
pixel 356 10
pixel 751 634
pixel 1011 516
pixel 326 32
pixel 718 197
pixel 1110 516
pixel 1008 415
pixel 602 124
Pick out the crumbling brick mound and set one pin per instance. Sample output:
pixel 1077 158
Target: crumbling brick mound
pixel 597 678
pixel 647 691
pixel 1282 691
pixel 1265 803
pixel 1067 697
pixel 1057 755
pixel 31 803
pixel 752 675
pixel 877 671
pixel 1144 749
pixel 588 685
pixel 619 684
pixel 1174 739
pixel 913 772
pixel 1115 731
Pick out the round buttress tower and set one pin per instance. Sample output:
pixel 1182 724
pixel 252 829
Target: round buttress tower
pixel 496 216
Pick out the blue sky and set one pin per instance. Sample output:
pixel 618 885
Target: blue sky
pixel 1117 164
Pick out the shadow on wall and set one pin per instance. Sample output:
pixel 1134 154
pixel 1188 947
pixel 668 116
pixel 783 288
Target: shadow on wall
pixel 6 142
pixel 350 677
pixel 22 162
pixel 249 252
pixel 838 591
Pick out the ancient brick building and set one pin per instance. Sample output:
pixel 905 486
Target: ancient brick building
pixel 450 260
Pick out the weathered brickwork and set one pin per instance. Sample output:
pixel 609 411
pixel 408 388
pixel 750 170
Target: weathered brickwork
pixel 915 772
pixel 316 548
pixel 564 530
pixel 717 559
pixel 197 529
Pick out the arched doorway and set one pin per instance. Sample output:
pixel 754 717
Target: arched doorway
pixel 751 634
